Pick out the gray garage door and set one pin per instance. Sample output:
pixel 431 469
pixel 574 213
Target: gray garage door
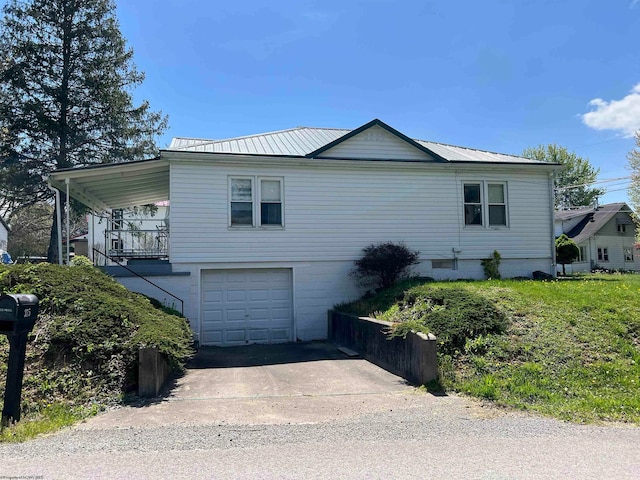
pixel 243 306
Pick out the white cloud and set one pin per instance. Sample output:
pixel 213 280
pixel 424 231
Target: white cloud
pixel 622 115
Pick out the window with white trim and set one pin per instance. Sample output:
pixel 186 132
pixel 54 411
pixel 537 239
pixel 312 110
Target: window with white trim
pixel 255 201
pixel 582 253
pixel 603 254
pixel 270 201
pixel 241 204
pixel 485 204
pixel 628 254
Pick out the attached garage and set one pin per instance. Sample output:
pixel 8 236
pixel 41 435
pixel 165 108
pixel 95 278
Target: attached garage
pixel 243 306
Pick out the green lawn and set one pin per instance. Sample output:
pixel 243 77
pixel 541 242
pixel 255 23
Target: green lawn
pixel 571 348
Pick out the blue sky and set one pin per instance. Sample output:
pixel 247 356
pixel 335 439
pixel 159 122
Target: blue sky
pixel 496 75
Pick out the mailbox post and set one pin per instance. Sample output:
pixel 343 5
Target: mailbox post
pixel 18 315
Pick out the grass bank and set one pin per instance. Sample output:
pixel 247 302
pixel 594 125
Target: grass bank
pixel 83 351
pixel 566 348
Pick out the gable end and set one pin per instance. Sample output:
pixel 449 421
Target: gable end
pixel 376 141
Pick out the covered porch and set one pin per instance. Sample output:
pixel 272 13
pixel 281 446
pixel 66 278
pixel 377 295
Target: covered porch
pixel 108 191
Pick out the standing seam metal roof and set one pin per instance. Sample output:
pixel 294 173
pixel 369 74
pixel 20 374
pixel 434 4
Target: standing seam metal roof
pixel 301 141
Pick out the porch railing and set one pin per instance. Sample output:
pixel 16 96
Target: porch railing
pixel 126 244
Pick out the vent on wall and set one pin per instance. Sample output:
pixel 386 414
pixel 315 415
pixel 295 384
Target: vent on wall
pixel 443 263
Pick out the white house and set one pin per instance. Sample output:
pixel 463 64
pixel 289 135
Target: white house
pixel 264 229
pixel 605 236
pixel 4 235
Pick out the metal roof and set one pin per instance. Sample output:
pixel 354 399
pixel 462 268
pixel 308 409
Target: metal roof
pixel 298 141
pixel 116 185
pixel 304 141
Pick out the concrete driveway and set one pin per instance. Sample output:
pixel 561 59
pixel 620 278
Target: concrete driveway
pixel 268 384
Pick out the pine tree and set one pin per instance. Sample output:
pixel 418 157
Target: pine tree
pixel 573 179
pixel 66 84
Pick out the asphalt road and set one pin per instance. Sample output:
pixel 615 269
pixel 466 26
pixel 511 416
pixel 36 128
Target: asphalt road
pixel 316 418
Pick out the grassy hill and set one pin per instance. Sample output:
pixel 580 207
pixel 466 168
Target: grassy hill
pixel 567 348
pixel 82 353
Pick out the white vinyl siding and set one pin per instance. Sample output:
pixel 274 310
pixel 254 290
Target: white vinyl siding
pixel 334 209
pixel 376 143
pixel 332 212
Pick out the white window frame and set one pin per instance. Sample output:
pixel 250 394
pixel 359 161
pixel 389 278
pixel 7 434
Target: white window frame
pixel 603 254
pixel 256 201
pixel 485 204
pixel 627 252
pixel 258 207
pixel 253 200
pixel 582 253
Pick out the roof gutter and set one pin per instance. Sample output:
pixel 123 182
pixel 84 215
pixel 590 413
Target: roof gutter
pixel 58 220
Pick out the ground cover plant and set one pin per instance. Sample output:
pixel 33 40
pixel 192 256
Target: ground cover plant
pixel 82 353
pixel 568 348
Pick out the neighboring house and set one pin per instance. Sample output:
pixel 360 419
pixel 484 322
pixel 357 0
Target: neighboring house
pixel 605 236
pixel 265 228
pixel 4 236
pixel 124 234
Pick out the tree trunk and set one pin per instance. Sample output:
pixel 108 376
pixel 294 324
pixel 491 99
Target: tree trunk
pixel 564 273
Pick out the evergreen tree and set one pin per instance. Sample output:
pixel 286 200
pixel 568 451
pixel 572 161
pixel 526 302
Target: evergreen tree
pixel 66 83
pixel 576 173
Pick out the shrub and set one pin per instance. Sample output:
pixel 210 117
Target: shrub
pixel 84 346
pixel 381 266
pixel 81 261
pixel 453 315
pixel 566 251
pixel 491 266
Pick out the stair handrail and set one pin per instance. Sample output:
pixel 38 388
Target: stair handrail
pixel 95 250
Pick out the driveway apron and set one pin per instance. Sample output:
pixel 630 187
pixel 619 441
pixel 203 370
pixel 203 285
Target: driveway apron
pixel 268 384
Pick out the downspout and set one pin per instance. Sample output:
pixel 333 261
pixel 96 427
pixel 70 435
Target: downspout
pixel 553 225
pixel 58 222
pixel 66 182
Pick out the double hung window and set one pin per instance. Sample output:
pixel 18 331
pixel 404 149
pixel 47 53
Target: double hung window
pixel 485 204
pixel 603 254
pixel 255 202
pixel 582 253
